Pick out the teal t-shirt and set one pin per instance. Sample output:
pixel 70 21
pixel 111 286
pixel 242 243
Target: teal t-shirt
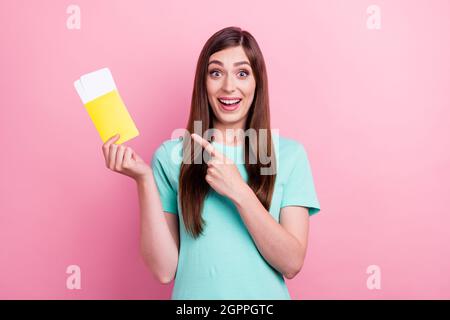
pixel 224 263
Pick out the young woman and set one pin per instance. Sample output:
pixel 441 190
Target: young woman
pixel 220 227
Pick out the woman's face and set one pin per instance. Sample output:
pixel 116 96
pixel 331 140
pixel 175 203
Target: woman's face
pixel 230 85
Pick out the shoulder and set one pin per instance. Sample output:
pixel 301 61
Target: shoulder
pixel 291 154
pixel 169 155
pixel 168 148
pixel 289 147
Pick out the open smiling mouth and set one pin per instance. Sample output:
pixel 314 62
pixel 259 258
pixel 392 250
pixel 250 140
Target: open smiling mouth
pixel 229 104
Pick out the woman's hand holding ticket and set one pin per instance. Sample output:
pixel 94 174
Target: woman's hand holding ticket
pixel 124 160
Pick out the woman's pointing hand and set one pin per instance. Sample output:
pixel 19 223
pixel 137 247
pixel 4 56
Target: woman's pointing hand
pixel 222 174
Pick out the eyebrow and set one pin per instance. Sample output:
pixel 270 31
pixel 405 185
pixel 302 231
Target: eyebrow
pixel 235 64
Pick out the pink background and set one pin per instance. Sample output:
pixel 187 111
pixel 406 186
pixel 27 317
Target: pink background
pixel 370 106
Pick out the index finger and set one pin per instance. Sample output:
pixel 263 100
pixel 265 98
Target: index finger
pixel 110 140
pixel 108 143
pixel 208 146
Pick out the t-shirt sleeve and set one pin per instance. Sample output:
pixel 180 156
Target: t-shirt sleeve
pixel 299 189
pixel 161 172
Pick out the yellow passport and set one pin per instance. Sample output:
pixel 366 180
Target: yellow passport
pixel 105 107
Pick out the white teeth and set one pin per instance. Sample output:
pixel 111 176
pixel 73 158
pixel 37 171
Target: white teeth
pixel 229 101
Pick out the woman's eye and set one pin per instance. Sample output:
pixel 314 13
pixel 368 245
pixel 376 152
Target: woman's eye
pixel 243 73
pixel 214 73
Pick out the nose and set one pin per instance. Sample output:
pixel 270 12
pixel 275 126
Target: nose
pixel 228 84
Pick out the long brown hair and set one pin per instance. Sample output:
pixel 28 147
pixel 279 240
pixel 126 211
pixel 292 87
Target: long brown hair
pixel 193 188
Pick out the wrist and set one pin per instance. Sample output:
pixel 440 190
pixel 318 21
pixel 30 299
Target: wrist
pixel 145 178
pixel 242 194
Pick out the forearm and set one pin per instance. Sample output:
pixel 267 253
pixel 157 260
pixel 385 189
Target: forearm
pixel 157 245
pixel 280 248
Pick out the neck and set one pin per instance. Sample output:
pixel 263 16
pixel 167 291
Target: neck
pixel 232 139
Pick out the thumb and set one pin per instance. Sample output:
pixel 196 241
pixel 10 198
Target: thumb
pixel 135 156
